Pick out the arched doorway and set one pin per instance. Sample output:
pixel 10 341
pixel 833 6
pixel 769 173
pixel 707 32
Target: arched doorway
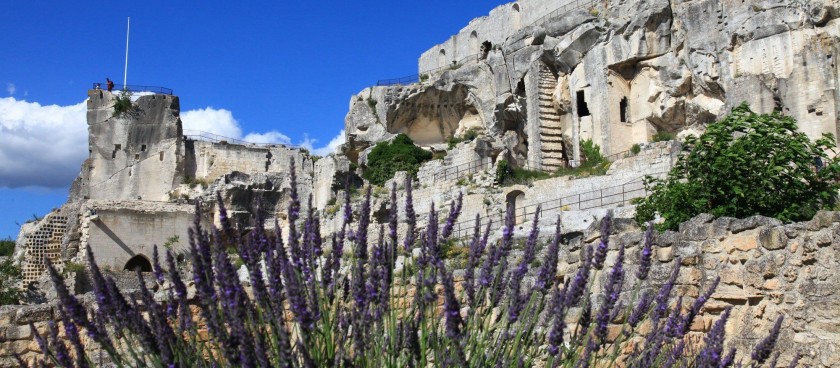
pixel 515 18
pixel 442 58
pixel 138 262
pixel 486 47
pixel 515 200
pixel 473 43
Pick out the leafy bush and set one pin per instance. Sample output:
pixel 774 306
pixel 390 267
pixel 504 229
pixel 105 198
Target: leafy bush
pixel 389 157
pixel 365 317
pixel 635 149
pixel 123 105
pixel 502 171
pixel 7 247
pixel 73 267
pixel 663 136
pixel 744 165
pixel 591 153
pixel 10 277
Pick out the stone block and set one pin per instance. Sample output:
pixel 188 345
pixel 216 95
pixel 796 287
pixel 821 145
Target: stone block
pixel 743 241
pixel 34 313
pixel 752 222
pixel 698 228
pixel 773 238
pixel 16 332
pixel 665 255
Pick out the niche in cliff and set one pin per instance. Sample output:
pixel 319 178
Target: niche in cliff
pixel 432 116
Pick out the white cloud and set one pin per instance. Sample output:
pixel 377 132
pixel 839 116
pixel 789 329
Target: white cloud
pixel 41 146
pixel 331 146
pixel 44 146
pixel 216 121
pixel 10 87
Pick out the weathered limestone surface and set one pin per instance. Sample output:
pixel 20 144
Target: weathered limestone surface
pixel 621 72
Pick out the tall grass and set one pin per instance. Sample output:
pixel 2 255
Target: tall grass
pixel 344 302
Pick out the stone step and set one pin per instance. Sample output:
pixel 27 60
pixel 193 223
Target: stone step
pixel 551 128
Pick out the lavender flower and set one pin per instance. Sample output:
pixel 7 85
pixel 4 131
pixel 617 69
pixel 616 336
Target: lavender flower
pixel 411 218
pixel 711 354
pixel 612 290
pixel 158 272
pixel 555 334
pixel 548 269
pixel 454 212
pixel 62 356
pixel 517 300
pixel 578 284
pixel 764 348
pixel 795 361
pixel 477 247
pixel 646 254
pixel 664 292
pixel 698 304
pixel 603 245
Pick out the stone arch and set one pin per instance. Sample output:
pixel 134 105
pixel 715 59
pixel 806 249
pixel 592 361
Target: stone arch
pixel 138 262
pixel 474 43
pixel 515 17
pixel 515 200
pixel 442 58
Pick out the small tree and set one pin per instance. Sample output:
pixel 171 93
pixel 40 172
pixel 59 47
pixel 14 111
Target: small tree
pixel 389 157
pixel 746 164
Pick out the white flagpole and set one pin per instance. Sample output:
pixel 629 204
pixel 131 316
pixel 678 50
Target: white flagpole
pixel 125 74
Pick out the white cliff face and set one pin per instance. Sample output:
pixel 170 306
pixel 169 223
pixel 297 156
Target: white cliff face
pixel 616 72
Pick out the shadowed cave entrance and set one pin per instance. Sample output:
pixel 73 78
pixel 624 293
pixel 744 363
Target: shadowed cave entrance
pixel 138 262
pixel 433 116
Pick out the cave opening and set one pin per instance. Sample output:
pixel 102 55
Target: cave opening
pixel 582 106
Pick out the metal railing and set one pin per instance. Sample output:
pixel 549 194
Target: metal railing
pixel 135 88
pixel 458 171
pixel 197 135
pixel 563 10
pixel 429 74
pixel 599 198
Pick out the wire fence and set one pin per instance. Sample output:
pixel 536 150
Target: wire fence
pixel 197 135
pixel 135 88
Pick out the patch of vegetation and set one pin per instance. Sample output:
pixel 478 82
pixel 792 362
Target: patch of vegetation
pixel 194 182
pixel 663 136
pixel 468 136
pixel 635 149
pixel 7 247
pixel 423 77
pixel 173 240
pixel 372 103
pixel 389 157
pixel 73 267
pixel 123 105
pixel 747 164
pixel 507 175
pixel 594 163
pixel 10 277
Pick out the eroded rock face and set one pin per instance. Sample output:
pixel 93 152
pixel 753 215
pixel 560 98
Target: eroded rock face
pixel 618 72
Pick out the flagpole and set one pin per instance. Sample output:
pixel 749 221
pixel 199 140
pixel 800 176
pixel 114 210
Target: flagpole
pixel 125 73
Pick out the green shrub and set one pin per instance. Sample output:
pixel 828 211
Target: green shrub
pixel 389 157
pixel 468 136
pixel 591 152
pixel 635 149
pixel 372 103
pixel 663 137
pixel 7 247
pixel 10 275
pixel 123 105
pixel 502 171
pixel 424 77
pixel 746 164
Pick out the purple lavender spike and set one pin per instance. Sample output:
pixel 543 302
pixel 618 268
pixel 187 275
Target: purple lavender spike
pixel 795 361
pixel 639 312
pixel 548 269
pixel 158 271
pixel 711 354
pixel 578 285
pixel 603 246
pixel 612 290
pixel 764 348
pixel 411 218
pixel 698 304
pixel 454 212
pixel 516 299
pixel 646 254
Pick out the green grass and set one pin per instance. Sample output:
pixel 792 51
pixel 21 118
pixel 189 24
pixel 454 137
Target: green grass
pixel 7 247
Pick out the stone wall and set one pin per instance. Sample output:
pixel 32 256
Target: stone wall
pixel 766 268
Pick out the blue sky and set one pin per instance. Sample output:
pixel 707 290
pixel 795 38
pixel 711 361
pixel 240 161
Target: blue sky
pixel 256 69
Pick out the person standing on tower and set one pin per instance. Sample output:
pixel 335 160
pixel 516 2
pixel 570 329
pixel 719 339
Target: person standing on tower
pixel 110 84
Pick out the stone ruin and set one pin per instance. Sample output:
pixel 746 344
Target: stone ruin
pixel 533 78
